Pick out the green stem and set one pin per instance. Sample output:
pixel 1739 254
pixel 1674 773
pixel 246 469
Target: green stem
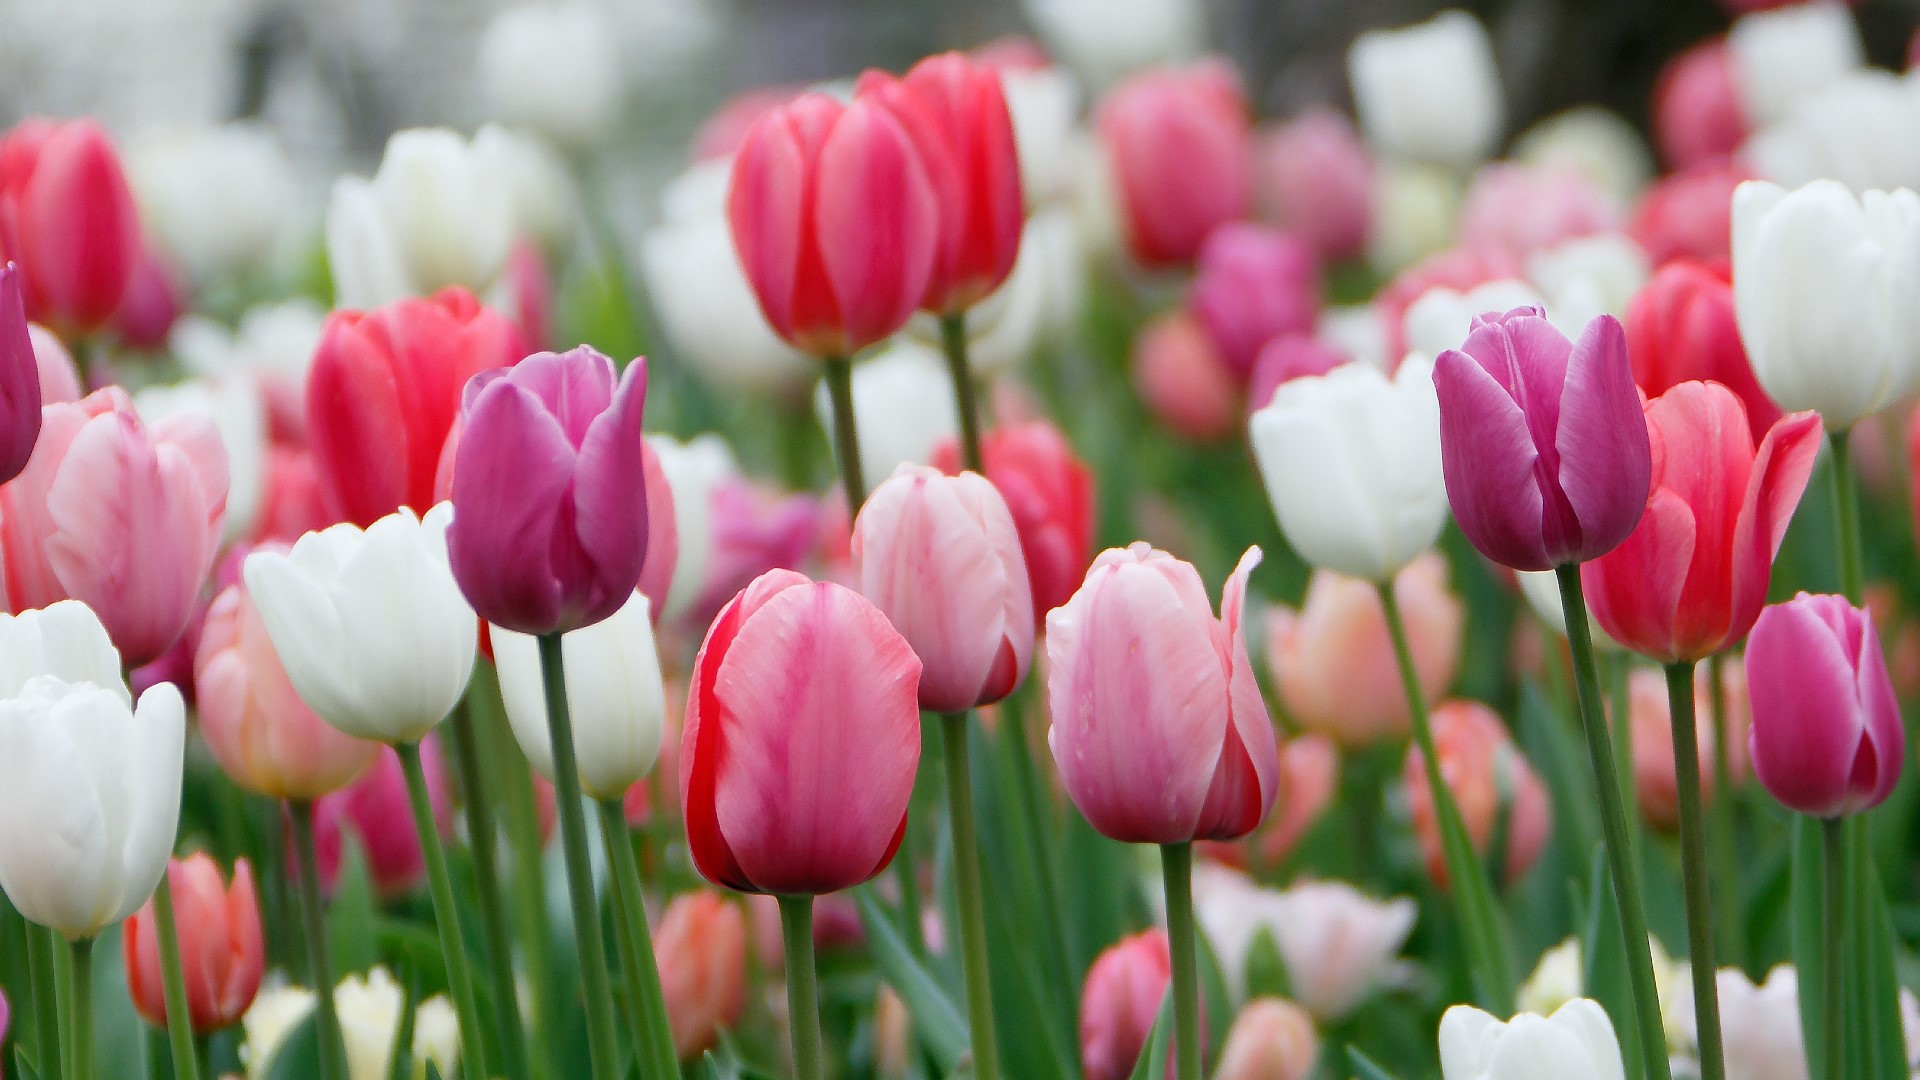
pixel 1833 875
pixel 953 335
pixel 1037 811
pixel 453 944
pixel 1472 890
pixel 1693 868
pixel 41 942
pixel 1846 517
pixel 906 864
pixel 1176 867
pixel 846 437
pixel 1726 870
pixel 602 1046
pixel 313 916
pixel 654 1033
pixel 173 983
pixel 803 992
pixel 1613 820
pixel 1619 674
pixel 522 820
pixel 481 839
pixel 80 1011
pixel 973 913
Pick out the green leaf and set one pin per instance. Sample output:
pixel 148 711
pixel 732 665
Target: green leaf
pixel 1266 969
pixel 1216 1007
pixel 1884 1045
pixel 23 1064
pixel 1364 1067
pixel 1152 1063
pixel 934 1014
pixel 298 1056
pixel 350 912
pixel 1603 955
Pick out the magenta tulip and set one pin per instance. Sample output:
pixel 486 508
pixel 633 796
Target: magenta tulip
pixel 19 379
pixel 1542 441
pixel 1159 730
pixel 1826 736
pixel 1177 142
pixel 1254 284
pixel 549 529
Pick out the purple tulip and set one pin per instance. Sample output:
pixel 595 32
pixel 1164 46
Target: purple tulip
pixel 1254 283
pixel 1542 440
pixel 1826 737
pixel 19 379
pixel 549 513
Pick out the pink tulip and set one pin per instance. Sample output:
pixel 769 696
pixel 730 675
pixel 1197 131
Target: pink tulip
pixel 377 813
pixel 723 132
pixel 59 378
pixel 1271 1039
pixel 1285 358
pixel 123 517
pixel 801 741
pixel 1545 452
pixel 1681 327
pixel 701 944
pixel 939 556
pixel 222 945
pixel 754 529
pixel 530 289
pixel 1524 208
pixel 293 502
pixel 1183 381
pixel 835 221
pixel 1490 780
pixel 67 218
pixel 1314 178
pixel 153 300
pixel 1827 738
pixel 1655 781
pixel 1689 214
pixel 19 378
pixel 1177 143
pixel 1170 751
pixel 1697 116
pixel 1309 779
pixel 1120 1001
pixel 1693 575
pixel 1252 285
pixel 550 523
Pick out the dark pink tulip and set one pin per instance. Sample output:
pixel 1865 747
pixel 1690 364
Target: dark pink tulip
pixel 1826 737
pixel 1542 441
pixel 19 379
pixel 1292 356
pixel 376 813
pixel 68 219
pixel 1696 107
pixel 1689 214
pixel 1120 1002
pixel 1314 178
pixel 1176 140
pixel 1171 751
pixel 153 300
pixel 1681 327
pixel 550 520
pixel 755 529
pixel 1252 285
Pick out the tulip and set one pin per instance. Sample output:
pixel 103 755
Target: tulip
pixel 1415 209
pixel 120 515
pixel 293 502
pixel 214 198
pixel 19 378
pixel 1525 208
pixel 1595 142
pixel 239 416
pixel 836 223
pixel 552 70
pixel 370 1016
pixel 1575 1043
pixel 1689 214
pixel 1043 100
pixel 1697 115
pixel 1120 1001
pixel 702 945
pixel 754 530
pixel 1558 978
pixel 374 812
pixel 1428 92
pixel 1253 284
pixel 1546 457
pixel 1349 463
pixel 1783 57
pixel 385 390
pixel 273 345
pixel 692 472
pixel 940 557
pixel 222 949
pixel 1105 40
pixel 1490 780
pixel 551 450
pixel 1168 752
pixel 1183 380
pixel 153 300
pixel 1460 270
pixel 1271 1039
pixel 1332 661
pixel 1761 1025
pixel 1314 178
pixel 542 197
pixel 1851 131
pixel 1176 141
pixel 817 719
pixel 67 218
pixel 902 405
pixel 1681 327
pixel 1441 317
pixel 1827 739
pixel 64 639
pixel 1654 776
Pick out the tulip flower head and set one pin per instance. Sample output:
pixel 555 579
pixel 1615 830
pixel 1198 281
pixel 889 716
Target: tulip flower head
pixel 19 379
pixel 1254 284
pixel 67 218
pixel 1120 1001
pixel 1428 92
pixel 702 945
pixel 1491 782
pixel 1575 1043
pixel 1681 327
pixel 222 945
pixel 1271 1039
pixel 1177 143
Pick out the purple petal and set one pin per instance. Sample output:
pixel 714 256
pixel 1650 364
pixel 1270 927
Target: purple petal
pixel 575 386
pixel 1880 712
pixel 1606 460
pixel 610 496
pixel 511 472
pixel 1489 462
pixel 19 379
pixel 1801 685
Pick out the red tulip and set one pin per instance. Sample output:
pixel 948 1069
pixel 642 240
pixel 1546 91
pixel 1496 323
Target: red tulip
pixel 222 946
pixel 1689 214
pixel 701 943
pixel 1681 327
pixel 1489 779
pixel 801 742
pixel 1254 284
pixel 1693 575
pixel 1696 107
pixel 954 110
pixel 383 393
pixel 835 222
pixel 67 218
pixel 1177 143
pixel 1120 1001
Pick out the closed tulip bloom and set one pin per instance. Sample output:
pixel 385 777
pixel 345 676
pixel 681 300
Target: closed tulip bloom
pixel 1335 942
pixel 940 557
pixel 1049 493
pixel 1692 577
pixel 1253 284
pixel 222 946
pixel 1697 114
pixel 1271 1039
pixel 1177 144
pixel 1490 780
pixel 384 392
pixel 1546 455
pixel 1781 58
pixel 1428 92
pixel 954 109
pixel 1689 214
pixel 371 626
pixel 264 737
pixel 1120 1001
pixel 836 222
pixel 89 799
pixel 1314 178
pixel 1595 142
pixel 1819 275
pixel 551 524
pixel 1173 751
pixel 614 693
pixel 1681 327
pixel 19 379
pixel 1575 1043
pixel 1350 464
pixel 802 737
pixel 701 944
pixel 1183 380
pixel 67 218
pixel 1826 738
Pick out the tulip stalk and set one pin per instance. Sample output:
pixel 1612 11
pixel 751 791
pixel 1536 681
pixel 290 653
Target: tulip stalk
pixel 846 437
pixel 973 915
pixel 313 914
pixel 1833 876
pixel 41 943
pixel 493 920
pixel 1720 822
pixel 173 982
pixel 1613 821
pixel 1472 890
pixel 1176 869
pixel 803 991
pixel 1846 518
pixel 453 946
pixel 654 1033
pixel 80 1011
pixel 1694 869
pixel 601 1044
pixel 953 336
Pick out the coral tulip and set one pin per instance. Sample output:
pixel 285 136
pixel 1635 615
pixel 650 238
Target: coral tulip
pixel 701 943
pixel 222 945
pixel 67 217
pixel 1490 780
pixel 1177 143
pixel 1120 1001
pixel 1183 381
pixel 1271 1039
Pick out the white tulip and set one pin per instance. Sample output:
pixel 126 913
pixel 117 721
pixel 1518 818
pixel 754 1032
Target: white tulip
pixel 216 197
pixel 1823 286
pixel 435 214
pixel 1351 461
pixel 65 639
pixel 369 1009
pixel 276 1010
pixel 89 799
pixel 240 416
pixel 1588 277
pixel 902 407
pixel 1107 39
pixel 1857 130
pixel 554 69
pixel 545 205
pixel 1415 208
pixel 693 470
pixel 1428 92
pixel 1784 56
pixel 1442 318
pixel 1045 106
pixel 1575 1043
pixel 1558 978
pixel 615 696
pixel 371 627
pixel 1542 592
pixel 1355 331
pixel 1595 142
pixel 274 342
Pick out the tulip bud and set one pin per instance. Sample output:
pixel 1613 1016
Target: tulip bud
pixel 1783 57
pixel 1253 284
pixel 554 70
pixel 1177 144
pixel 435 214
pixel 222 949
pixel 19 378
pixel 1491 782
pixel 153 300
pixel 701 943
pixel 1827 738
pixel 1577 1040
pixel 1314 178
pixel 1334 941
pixel 1428 92
pixel 1271 1039
pixel 1760 1025
pixel 1697 114
pixel 1120 1001
pixel 215 198
pixel 67 218
pixel 1689 214
pixel 902 406
pixel 1183 381
pixel 755 529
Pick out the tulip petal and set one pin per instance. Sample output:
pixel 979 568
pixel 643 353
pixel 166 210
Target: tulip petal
pixel 1882 729
pixel 875 221
pixel 1606 461
pixel 509 487
pixel 1803 744
pixel 157 748
pixel 1489 459
pixel 610 499
pixel 1635 590
pixel 53 840
pixel 1781 469
pixel 1247 779
pixel 305 626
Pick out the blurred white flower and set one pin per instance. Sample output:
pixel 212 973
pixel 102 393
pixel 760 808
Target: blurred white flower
pixel 552 68
pixel 1441 318
pixel 1784 56
pixel 216 198
pixel 1045 106
pixel 693 470
pixel 1415 208
pixel 1858 129
pixel 1038 303
pixel 1355 331
pixel 240 416
pixel 1576 1043
pixel 1542 592
pixel 1428 92
pixel 274 342
pixel 1558 978
pixel 902 406
pixel 369 1008
pixel 1587 277
pixel 1594 141
pixel 545 205
pixel 1105 40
